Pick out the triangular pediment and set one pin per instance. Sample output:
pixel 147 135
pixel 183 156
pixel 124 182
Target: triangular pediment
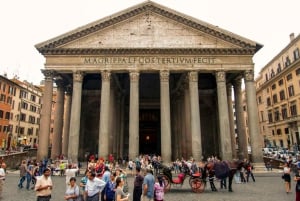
pixel 147 26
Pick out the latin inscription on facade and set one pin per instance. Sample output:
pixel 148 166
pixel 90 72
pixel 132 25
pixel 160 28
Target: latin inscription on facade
pixel 148 60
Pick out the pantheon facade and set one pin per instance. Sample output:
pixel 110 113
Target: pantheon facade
pixel 149 80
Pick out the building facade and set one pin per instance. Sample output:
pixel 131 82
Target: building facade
pixel 20 106
pixel 148 80
pixel 278 93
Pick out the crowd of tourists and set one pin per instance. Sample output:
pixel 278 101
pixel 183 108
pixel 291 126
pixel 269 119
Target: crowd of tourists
pixel 106 179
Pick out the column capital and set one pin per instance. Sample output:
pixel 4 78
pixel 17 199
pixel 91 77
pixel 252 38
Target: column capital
pixel 106 75
pixel 193 76
pixel 78 76
pixel 59 81
pixel 49 74
pixel 220 76
pixel 134 76
pixel 237 82
pixel 164 75
pixel 249 75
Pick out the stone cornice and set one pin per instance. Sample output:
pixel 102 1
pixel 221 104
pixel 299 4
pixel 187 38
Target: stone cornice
pixel 146 7
pixel 139 51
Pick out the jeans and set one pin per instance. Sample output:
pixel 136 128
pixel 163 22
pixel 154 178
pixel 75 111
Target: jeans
pixel 22 179
pixel 28 179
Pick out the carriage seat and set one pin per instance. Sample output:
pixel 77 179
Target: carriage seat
pixel 197 174
pixel 179 179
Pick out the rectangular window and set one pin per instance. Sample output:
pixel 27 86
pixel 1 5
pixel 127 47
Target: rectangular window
pixel 293 109
pixel 23 117
pixel 32 98
pixel 32 108
pixel 24 105
pixel 31 119
pixel 7 115
pixel 280 82
pixel 278 68
pixel 259 99
pixel 297 71
pixel 268 101
pixel 275 98
pixel 273 86
pixel 1 114
pixel 289 77
pixel 286 130
pixel 2 98
pixel 287 61
pixel 278 132
pixel 282 95
pixel 270 116
pixel 262 116
pixel 296 54
pixel 284 112
pixel 276 115
pixel 22 130
pixel 291 91
pixel 3 87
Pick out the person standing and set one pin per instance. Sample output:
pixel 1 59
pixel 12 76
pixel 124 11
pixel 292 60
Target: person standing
pixel 105 178
pixel 2 177
pixel 29 172
pixel 109 190
pixel 138 184
pixel 159 189
pixel 70 172
pixel 93 187
pixel 297 180
pixel 120 195
pixel 72 192
pixel 148 187
pixel 287 177
pixel 249 171
pixel 43 186
pixel 23 170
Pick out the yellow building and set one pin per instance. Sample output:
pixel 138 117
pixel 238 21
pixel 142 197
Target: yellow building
pixel 25 113
pixel 278 97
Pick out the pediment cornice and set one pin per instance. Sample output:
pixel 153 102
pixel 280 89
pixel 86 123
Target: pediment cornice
pixel 149 51
pixel 147 6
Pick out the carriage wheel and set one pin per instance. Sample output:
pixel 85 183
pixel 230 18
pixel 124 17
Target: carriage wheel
pixel 197 185
pixel 167 183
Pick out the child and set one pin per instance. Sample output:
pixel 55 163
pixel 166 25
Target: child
pixel 159 189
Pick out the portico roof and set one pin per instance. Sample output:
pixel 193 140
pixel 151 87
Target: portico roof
pixel 60 44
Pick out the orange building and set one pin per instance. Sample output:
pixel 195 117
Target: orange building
pixel 7 91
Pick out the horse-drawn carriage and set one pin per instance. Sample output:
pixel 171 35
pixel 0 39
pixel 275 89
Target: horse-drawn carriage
pixel 195 179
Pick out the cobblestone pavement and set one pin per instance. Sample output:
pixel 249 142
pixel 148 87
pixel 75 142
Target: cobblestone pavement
pixel 268 187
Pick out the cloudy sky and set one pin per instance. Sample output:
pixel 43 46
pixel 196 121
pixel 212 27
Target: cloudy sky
pixel 27 23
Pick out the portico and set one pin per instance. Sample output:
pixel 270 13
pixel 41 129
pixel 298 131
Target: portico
pixel 147 79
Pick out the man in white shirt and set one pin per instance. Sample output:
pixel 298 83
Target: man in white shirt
pixel 43 186
pixel 70 172
pixel 93 187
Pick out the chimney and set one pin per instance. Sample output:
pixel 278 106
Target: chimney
pixel 292 36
